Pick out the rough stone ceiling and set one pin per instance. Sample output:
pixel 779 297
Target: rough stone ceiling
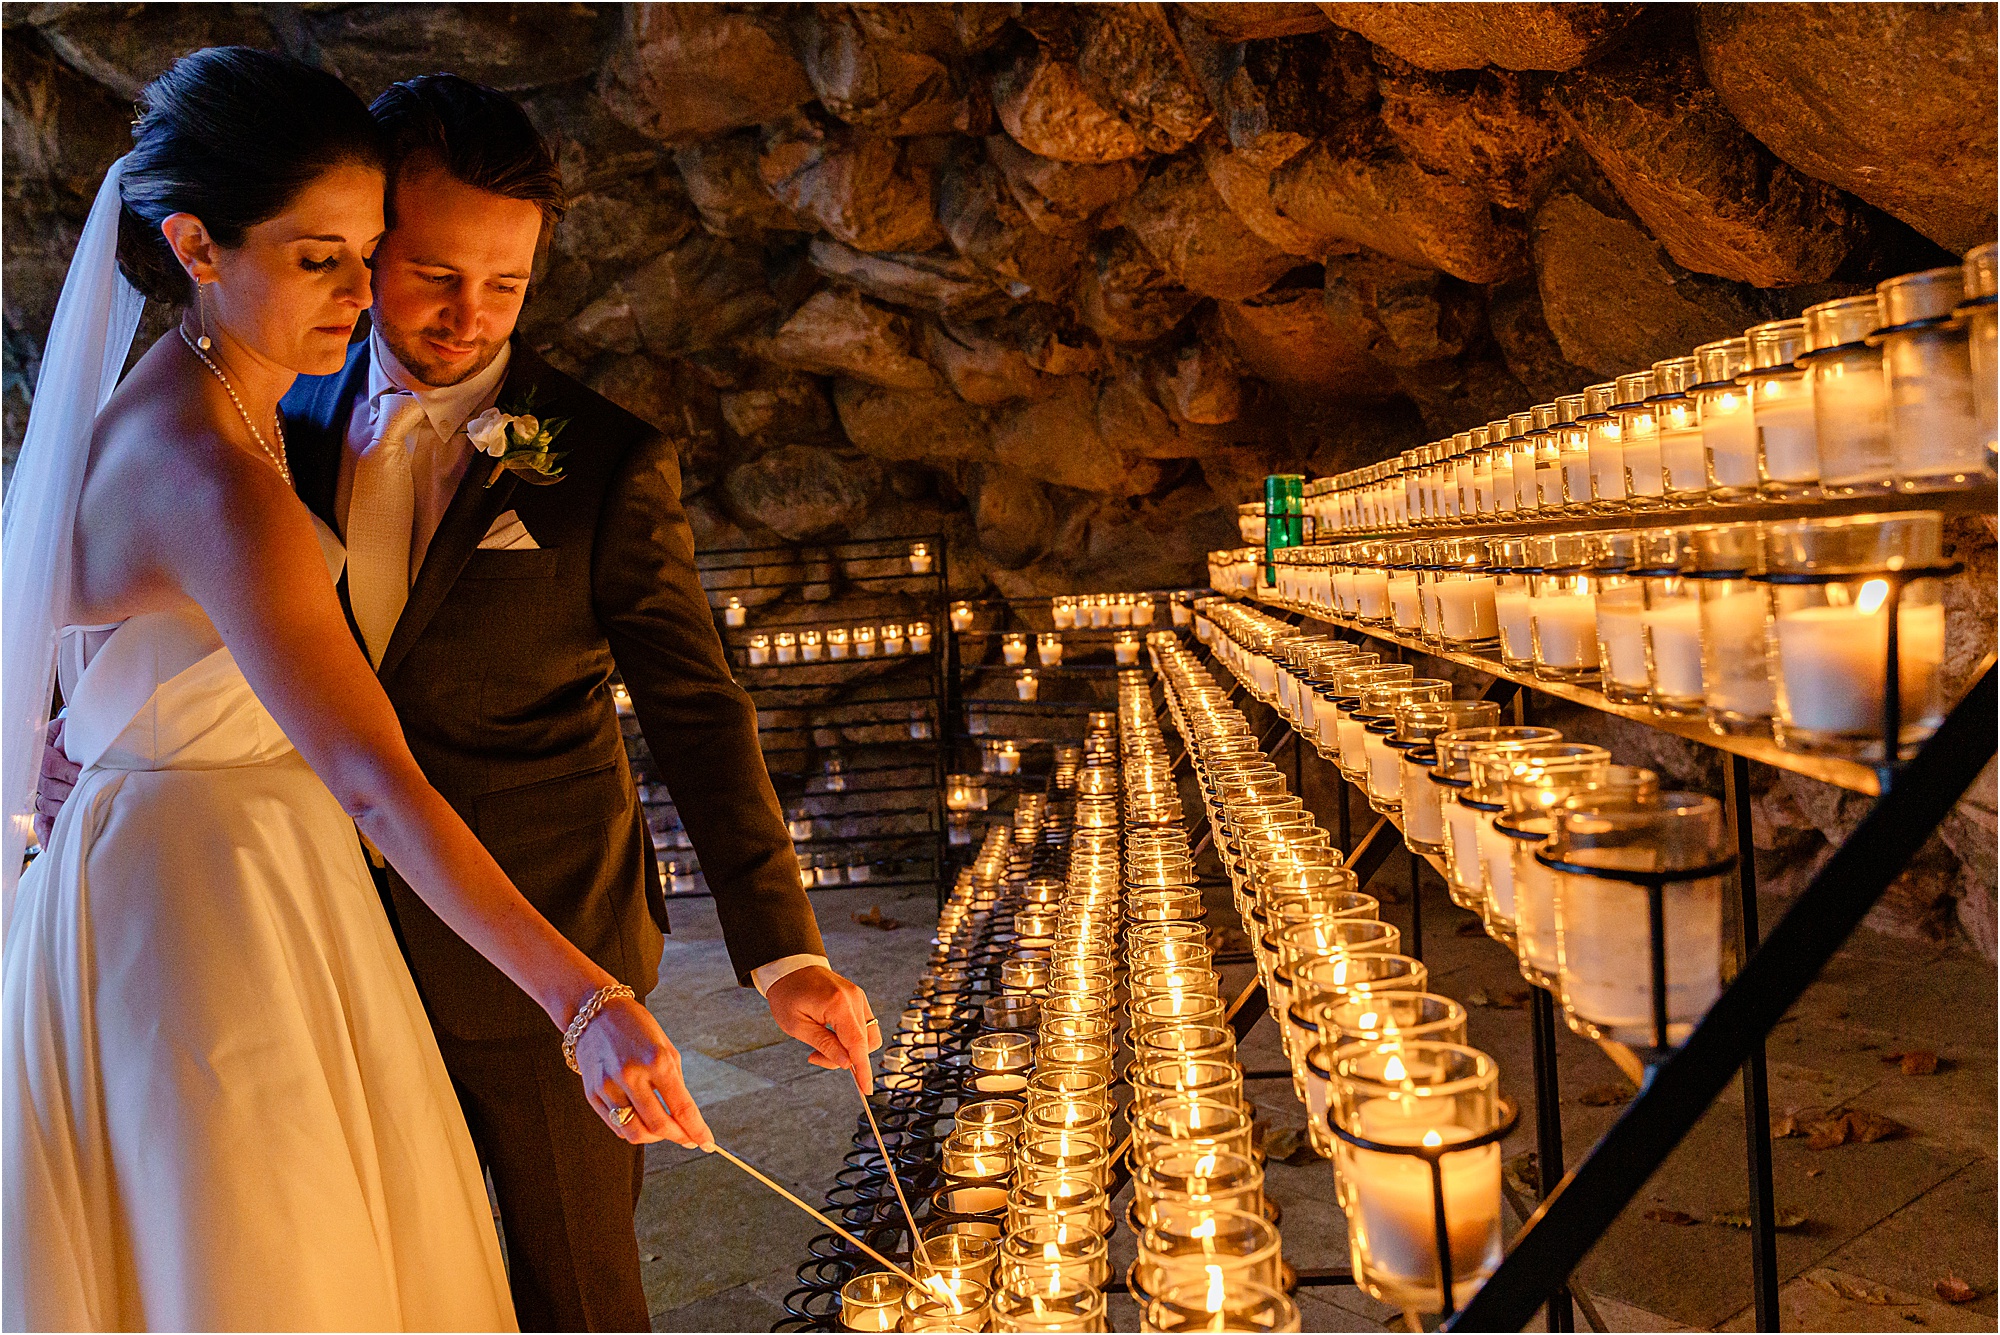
pixel 1067 280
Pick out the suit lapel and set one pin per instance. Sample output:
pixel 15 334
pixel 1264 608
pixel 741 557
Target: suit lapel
pixel 474 507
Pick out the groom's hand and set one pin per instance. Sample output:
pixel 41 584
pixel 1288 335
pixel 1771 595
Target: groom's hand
pixel 831 1015
pixel 59 775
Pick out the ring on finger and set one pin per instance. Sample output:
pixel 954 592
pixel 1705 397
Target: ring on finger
pixel 623 1114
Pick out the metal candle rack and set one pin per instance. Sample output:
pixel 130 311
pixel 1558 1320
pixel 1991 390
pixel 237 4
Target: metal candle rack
pixel 915 1121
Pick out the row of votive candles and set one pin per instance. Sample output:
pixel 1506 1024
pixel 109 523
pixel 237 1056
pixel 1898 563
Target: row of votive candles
pixel 1893 389
pixel 1494 801
pixel 1090 611
pixel 812 646
pixel 1049 649
pixel 1373 1053
pixel 1693 622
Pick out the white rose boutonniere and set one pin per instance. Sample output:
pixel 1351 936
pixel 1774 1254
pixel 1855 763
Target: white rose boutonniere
pixel 520 441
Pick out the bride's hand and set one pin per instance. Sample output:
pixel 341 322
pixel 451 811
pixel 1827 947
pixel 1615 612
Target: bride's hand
pixel 624 1058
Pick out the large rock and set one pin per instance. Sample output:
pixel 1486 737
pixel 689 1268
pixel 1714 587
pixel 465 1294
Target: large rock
pixel 1489 128
pixel 911 426
pixel 1361 188
pixel 1126 295
pixel 765 405
pixel 1053 340
pixel 1413 315
pixel 1131 419
pixel 1713 196
pixel 1246 189
pixel 678 402
pixel 992 232
pixel 1249 21
pixel 126 47
pixel 1205 247
pixel 510 46
pixel 61 129
pixel 1514 317
pixel 720 174
pixel 841 332
pixel 868 191
pixel 804 493
pixel 882 67
pixel 1012 515
pixel 1274 98
pixel 983 365
pixel 1056 440
pixel 1044 102
pixel 1466 36
pixel 702 294
pixel 1060 197
pixel 1286 339
pixel 1613 298
pixel 1132 60
pixel 682 72
pixel 932 280
pixel 1463 392
pixel 1892 102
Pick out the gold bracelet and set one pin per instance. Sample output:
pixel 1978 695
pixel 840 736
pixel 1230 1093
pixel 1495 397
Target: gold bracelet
pixel 585 1015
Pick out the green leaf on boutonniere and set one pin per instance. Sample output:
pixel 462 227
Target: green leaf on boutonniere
pixel 519 442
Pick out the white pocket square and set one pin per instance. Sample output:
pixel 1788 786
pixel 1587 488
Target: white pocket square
pixel 508 534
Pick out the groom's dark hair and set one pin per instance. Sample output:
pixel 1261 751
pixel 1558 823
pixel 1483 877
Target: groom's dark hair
pixel 479 135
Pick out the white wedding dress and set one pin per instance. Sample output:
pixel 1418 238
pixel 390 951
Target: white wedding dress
pixel 224 1108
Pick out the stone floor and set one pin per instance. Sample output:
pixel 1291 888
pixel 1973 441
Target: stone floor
pixel 1882 1224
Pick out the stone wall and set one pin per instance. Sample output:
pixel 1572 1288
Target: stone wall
pixel 1066 281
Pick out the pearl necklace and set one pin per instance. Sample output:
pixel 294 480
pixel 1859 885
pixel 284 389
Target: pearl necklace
pixel 275 456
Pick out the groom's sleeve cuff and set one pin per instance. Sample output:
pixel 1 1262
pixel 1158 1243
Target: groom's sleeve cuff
pixel 764 975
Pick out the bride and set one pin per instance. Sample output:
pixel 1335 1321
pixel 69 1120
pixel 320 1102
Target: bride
pixel 223 1105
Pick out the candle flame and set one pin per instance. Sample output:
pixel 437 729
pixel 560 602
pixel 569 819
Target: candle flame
pixel 1214 1288
pixel 1432 1140
pixel 1204 1165
pixel 1395 1070
pixel 1204 1229
pixel 1873 594
pixel 1368 1020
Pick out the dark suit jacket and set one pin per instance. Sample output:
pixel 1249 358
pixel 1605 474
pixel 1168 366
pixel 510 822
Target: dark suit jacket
pixel 500 670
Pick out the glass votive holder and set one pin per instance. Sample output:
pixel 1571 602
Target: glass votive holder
pixel 758 649
pixel 1014 649
pixel 1164 1080
pixel 1562 611
pixel 1612 854
pixel 1604 447
pixel 1187 1241
pixel 920 637
pixel 1833 583
pixel 812 646
pixel 891 639
pixel 1683 466
pixel 1204 1123
pixel 997 1115
pixel 1027 685
pixel 1220 1304
pixel 1322 937
pixel 838 643
pixel 1728 430
pixel 1849 395
pixel 1002 1052
pixel 1061 1154
pixel 1531 796
pixel 1927 365
pixel 1462 810
pixel 1080 1027
pixel 946 1305
pixel 1033 1256
pixel 873 1302
pixel 1639 438
pixel 1982 282
pixel 1737 694
pixel 1620 598
pixel 1091 1120
pixel 1199 1178
pixel 1049 649
pixel 920 558
pixel 1194 1042
pixel 1125 650
pixel 1419 1170
pixel 1074 1199
pixel 1056 1304
pixel 961 616
pixel 863 638
pixel 1492 772
pixel 1392 1016
pixel 1024 976
pixel 1351 727
pixel 1173 1012
pixel 1781 405
pixel 734 613
pixel 785 647
pixel 1670 622
pixel 1328 981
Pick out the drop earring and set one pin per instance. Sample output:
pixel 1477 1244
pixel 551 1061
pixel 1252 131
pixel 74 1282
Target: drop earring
pixel 201 313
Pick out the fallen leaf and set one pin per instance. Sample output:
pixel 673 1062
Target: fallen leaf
pixel 1473 928
pixel 1525 1172
pixel 1955 1290
pixel 1865 1128
pixel 873 918
pixel 1477 997
pixel 1513 999
pixel 1920 1063
pixel 1290 1145
pixel 1825 1134
pixel 1851 1289
pixel 1604 1096
pixel 1783 1128
pixel 1815 1172
pixel 651 1256
pixel 1662 1215
pixel 1780 1219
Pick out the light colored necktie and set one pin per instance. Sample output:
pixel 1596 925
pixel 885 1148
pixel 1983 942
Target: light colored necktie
pixel 380 516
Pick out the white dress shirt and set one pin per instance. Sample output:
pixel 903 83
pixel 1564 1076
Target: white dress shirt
pixel 439 456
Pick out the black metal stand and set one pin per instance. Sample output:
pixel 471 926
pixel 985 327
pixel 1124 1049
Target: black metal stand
pixel 1756 1084
pixel 1548 1131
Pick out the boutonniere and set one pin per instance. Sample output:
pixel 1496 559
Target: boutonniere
pixel 520 441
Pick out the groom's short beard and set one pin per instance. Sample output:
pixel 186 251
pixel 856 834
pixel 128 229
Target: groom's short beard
pixel 426 368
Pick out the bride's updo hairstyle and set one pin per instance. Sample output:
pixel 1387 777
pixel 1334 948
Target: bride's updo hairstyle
pixel 230 134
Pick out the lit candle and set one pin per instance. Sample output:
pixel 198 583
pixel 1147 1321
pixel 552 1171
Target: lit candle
pixel 1833 662
pixel 1673 629
pixel 759 650
pixel 1049 650
pixel 920 637
pixel 1014 650
pixel 1063 612
pixel 1008 757
pixel 1681 457
pixel 1782 407
pixel 1466 609
pixel 733 613
pixel 1393 1222
pixel 811 646
pixel 1621 632
pixel 1729 437
pixel 1371 594
pixel 1735 682
pixel 920 559
pixel 864 641
pixel 1121 610
pixel 1403 604
pixel 873 1302
pixel 1513 614
pixel 837 643
pixel 1565 630
pixel 961 616
pixel 1027 685
pixel 1126 650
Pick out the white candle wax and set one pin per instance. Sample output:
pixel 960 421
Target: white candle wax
pixel 1851 412
pixel 1673 625
pixel 919 565
pixel 1607 462
pixel 1125 651
pixel 1548 485
pixel 1327 721
pixel 891 645
pixel 1013 654
pixel 1428 596
pixel 1423 821
pixel 759 655
pixel 734 614
pixel 1371 594
pixel 1566 630
pixel 1121 614
pixel 1142 612
pixel 1729 436
pixel 1833 663
pixel 1932 422
pixel 1100 615
pixel 1403 604
pixel 1385 770
pixel 1027 687
pixel 1642 458
pixel 1503 488
pixel 1680 448
pixel 1462 823
pixel 1783 409
pixel 1511 610
pixel 1063 616
pixel 1735 679
pixel 1343 591
pixel 1496 865
pixel 1604 944
pixel 1353 740
pixel 1482 485
pixel 1394 1221
pixel 1576 477
pixel 1622 633
pixel 1526 496
pixel 1534 908
pixel 788 653
pixel 1465 608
